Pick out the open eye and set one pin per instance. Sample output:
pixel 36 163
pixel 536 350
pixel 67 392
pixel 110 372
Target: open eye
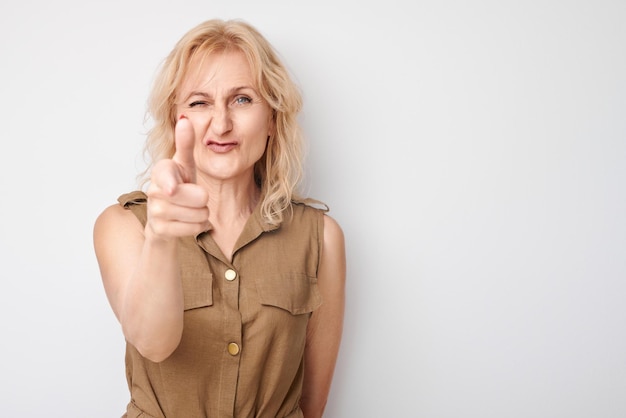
pixel 242 100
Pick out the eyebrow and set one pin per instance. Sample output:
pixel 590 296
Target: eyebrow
pixel 229 92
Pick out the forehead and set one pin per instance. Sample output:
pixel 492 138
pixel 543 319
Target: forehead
pixel 218 70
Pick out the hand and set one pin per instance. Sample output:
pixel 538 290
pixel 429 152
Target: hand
pixel 177 207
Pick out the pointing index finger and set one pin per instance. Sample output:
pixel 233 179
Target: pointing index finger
pixel 184 140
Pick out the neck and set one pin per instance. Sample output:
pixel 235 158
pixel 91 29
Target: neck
pixel 230 207
pixel 231 203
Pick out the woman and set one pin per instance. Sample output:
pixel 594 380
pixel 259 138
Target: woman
pixel 228 286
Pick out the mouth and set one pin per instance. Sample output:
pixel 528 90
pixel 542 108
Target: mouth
pixel 221 147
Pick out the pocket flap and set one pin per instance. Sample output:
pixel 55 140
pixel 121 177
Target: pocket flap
pixel 295 293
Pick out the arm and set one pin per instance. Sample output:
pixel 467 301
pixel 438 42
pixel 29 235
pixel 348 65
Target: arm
pixel 326 323
pixel 139 266
pixel 142 282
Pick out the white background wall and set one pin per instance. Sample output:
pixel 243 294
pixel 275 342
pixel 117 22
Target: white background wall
pixel 473 151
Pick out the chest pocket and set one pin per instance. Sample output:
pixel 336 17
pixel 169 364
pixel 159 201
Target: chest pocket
pixel 296 293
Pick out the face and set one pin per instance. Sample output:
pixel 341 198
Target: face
pixel 231 120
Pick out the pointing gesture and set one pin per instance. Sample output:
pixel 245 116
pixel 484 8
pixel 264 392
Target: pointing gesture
pixel 177 206
pixel 184 141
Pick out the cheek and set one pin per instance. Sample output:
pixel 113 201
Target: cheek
pixel 259 146
pixel 256 127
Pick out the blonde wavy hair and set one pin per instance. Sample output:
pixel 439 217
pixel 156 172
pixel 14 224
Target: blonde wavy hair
pixel 279 171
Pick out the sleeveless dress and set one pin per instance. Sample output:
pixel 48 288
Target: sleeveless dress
pixel 242 347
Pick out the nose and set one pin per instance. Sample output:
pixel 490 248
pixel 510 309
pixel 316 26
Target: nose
pixel 221 122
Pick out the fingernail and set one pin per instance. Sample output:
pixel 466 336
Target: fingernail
pixel 183 116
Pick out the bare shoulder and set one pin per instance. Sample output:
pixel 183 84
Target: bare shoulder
pixel 114 225
pixel 333 261
pixel 333 234
pixel 114 217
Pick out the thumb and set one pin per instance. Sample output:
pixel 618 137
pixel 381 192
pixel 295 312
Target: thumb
pixel 184 140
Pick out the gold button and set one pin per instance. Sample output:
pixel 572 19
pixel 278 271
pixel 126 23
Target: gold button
pixel 230 275
pixel 233 349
